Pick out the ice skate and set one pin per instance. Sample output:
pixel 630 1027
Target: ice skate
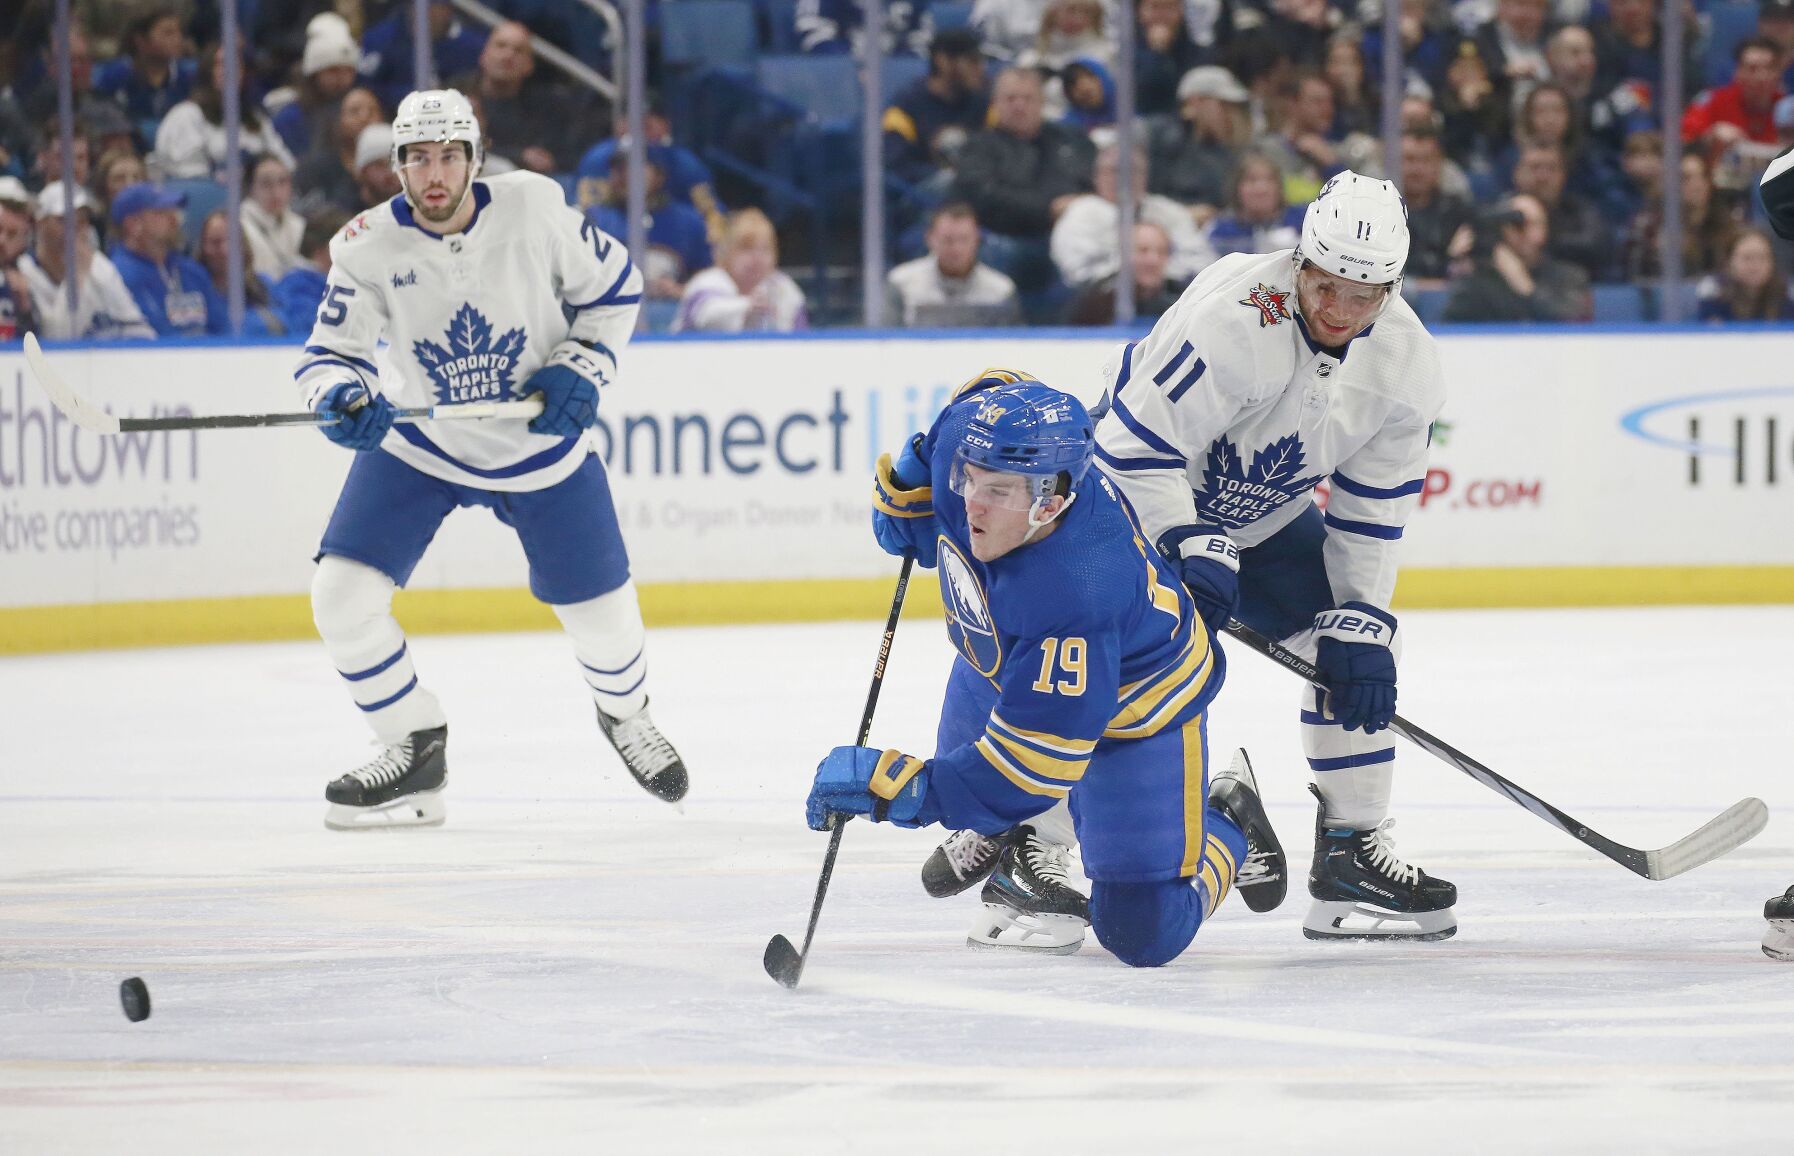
pixel 962 859
pixel 1029 902
pixel 401 787
pixel 647 754
pixel 1263 878
pixel 1778 940
pixel 1362 890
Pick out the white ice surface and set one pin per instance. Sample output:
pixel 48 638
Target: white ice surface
pixel 571 966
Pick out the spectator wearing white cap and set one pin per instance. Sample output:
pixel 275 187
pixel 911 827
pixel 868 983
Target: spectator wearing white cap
pixel 104 307
pixel 327 72
pixel 191 142
pixel 374 174
pixel 1193 152
pixel 15 237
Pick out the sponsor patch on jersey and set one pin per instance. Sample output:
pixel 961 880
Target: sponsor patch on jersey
pixel 1272 306
pixel 472 366
pixel 1236 494
pixel 969 623
pixel 356 227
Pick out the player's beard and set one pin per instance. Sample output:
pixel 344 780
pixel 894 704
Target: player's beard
pixel 449 208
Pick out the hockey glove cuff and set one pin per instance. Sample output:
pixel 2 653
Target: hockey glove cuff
pixel 1209 564
pixel 903 505
pixel 362 417
pixel 569 384
pixel 1353 655
pixel 884 786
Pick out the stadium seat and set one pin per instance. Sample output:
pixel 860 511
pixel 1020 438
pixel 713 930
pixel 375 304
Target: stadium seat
pixel 1428 305
pixel 781 24
pixel 897 73
pixel 1618 304
pixel 1728 22
pixel 951 13
pixel 825 87
pixel 203 198
pixel 707 33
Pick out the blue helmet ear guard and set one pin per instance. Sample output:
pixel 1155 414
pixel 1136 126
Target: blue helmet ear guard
pixel 1033 429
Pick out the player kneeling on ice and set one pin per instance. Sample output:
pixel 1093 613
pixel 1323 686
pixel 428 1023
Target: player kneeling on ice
pixel 1078 695
pixel 472 282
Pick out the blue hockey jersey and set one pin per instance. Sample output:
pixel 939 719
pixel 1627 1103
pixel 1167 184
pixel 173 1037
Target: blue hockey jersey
pixel 1086 635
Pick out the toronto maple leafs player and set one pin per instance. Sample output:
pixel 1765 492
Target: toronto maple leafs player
pixel 1272 373
pixel 1083 675
pixel 471 280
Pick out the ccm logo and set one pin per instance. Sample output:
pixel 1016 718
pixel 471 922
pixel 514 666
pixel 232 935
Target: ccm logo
pixel 1350 623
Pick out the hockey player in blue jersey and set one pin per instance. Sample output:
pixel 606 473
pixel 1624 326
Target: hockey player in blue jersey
pixel 1272 373
pixel 486 289
pixel 1083 675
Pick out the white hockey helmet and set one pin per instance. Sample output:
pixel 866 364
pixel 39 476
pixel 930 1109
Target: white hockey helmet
pixel 1357 228
pixel 437 115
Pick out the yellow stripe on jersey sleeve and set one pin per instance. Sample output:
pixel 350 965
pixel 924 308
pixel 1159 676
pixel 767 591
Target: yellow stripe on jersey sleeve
pixel 1145 705
pixel 1053 743
pixel 1032 759
pixel 996 757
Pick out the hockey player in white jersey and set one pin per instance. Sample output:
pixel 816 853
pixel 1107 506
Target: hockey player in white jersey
pixel 471 280
pixel 1272 373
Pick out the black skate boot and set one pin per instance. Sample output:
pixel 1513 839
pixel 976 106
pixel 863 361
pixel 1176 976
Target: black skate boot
pixel 1778 941
pixel 647 754
pixel 1029 902
pixel 962 859
pixel 1263 878
pixel 401 787
pixel 1362 891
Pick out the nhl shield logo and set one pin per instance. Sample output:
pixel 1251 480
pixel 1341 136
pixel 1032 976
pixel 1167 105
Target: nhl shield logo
pixel 473 366
pixel 1272 306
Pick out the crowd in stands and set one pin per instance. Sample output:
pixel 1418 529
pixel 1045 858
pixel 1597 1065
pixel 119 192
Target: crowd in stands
pixel 1530 153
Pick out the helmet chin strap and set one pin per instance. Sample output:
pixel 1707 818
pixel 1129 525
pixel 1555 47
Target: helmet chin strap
pixel 1036 523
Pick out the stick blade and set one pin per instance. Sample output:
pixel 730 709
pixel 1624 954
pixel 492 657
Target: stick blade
pixel 86 416
pixel 782 961
pixel 1722 834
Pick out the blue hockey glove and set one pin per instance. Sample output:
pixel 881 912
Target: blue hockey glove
pixel 569 384
pixel 903 505
pixel 1357 664
pixel 362 417
pixel 882 785
pixel 1209 564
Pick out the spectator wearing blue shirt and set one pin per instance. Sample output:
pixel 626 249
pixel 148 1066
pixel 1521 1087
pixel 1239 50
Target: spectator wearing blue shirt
pixel 173 290
pixel 688 178
pixel 1257 219
pixel 678 243
pixel 154 74
pixel 212 251
pixel 386 50
pixel 298 295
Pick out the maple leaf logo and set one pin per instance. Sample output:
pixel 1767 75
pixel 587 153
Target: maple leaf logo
pixel 1272 305
pixel 1234 495
pixel 473 367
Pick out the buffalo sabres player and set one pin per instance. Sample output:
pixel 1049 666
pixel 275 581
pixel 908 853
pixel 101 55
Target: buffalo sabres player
pixel 1083 675
pixel 1272 373
pixel 472 282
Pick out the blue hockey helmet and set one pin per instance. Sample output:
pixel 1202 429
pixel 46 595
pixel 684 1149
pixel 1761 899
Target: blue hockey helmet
pixel 1028 428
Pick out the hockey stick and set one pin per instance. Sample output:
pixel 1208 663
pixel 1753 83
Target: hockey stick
pixel 92 418
pixel 782 961
pixel 1731 829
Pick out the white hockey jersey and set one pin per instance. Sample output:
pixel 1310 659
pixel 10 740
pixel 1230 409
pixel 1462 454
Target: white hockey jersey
pixel 470 316
pixel 1226 413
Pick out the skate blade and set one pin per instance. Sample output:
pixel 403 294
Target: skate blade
pixel 1778 941
pixel 1345 920
pixel 1004 928
pixel 424 809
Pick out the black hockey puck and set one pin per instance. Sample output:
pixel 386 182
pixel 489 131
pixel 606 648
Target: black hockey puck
pixel 135 996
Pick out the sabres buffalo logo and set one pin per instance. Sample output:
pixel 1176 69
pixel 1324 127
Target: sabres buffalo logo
pixel 969 622
pixel 1272 305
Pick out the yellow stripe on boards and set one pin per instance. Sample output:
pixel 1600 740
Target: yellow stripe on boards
pixel 287 617
pixel 260 618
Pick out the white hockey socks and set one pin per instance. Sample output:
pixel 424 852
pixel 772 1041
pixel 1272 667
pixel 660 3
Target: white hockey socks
pixel 1353 770
pixel 608 641
pixel 352 606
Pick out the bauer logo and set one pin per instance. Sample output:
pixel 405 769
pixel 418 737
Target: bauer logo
pixel 1734 438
